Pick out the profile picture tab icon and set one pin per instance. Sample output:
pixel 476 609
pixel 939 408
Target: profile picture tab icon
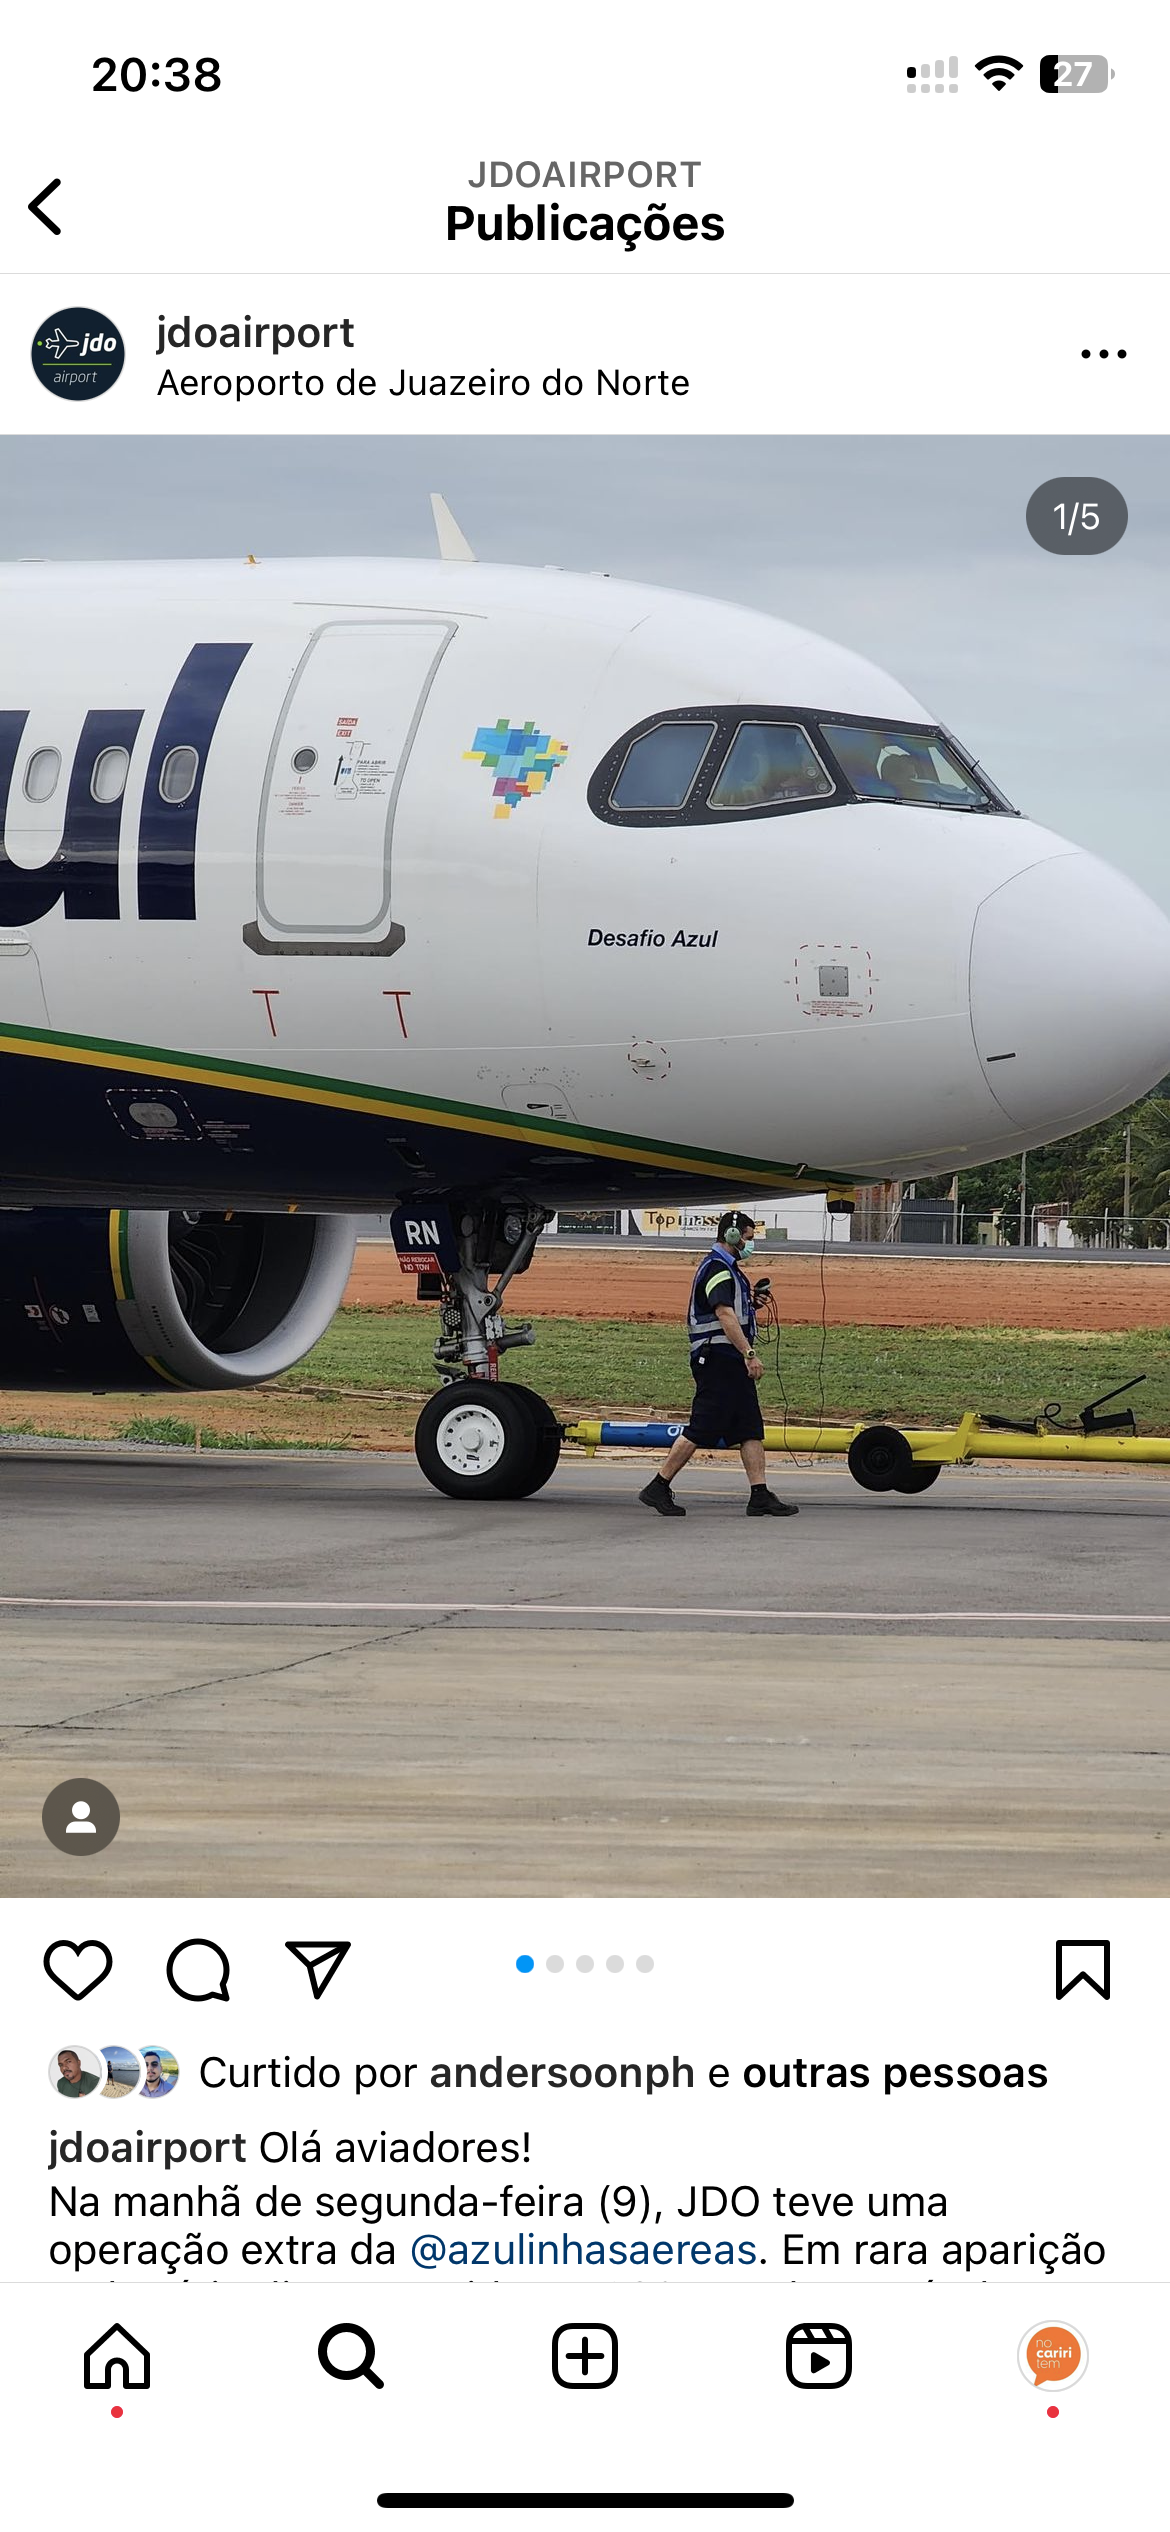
pixel 1052 2353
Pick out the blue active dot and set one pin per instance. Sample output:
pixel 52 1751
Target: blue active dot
pixel 526 1961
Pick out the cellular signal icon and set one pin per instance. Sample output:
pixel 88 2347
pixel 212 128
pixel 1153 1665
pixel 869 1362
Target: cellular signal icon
pixel 945 81
pixel 998 68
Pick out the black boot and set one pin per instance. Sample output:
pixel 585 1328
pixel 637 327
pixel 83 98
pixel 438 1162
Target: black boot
pixel 660 1499
pixel 762 1502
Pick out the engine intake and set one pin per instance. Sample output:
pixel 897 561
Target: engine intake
pixel 139 1300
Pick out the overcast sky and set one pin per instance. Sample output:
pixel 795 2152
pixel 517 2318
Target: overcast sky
pixel 1055 670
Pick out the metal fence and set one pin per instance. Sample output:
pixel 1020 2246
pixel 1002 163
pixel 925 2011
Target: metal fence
pixel 944 1223
pixel 922 1222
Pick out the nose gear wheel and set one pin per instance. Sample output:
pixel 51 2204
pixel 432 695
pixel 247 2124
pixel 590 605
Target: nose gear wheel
pixel 489 1440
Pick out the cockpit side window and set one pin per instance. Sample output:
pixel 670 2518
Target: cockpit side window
pixel 767 764
pixel 914 766
pixel 658 769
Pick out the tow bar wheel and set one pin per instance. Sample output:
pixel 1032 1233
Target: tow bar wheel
pixel 488 1439
pixel 881 1460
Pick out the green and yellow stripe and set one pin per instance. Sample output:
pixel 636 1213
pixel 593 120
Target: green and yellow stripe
pixel 412 1108
pixel 124 1288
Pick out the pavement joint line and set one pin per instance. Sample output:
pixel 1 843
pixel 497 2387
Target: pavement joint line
pixel 678 1610
pixel 160 1693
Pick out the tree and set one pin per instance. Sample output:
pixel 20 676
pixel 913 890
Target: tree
pixel 1084 1174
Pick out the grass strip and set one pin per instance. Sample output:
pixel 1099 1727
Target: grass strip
pixel 924 1376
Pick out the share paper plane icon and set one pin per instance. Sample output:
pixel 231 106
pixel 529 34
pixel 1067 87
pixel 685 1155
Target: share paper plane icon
pixel 322 1960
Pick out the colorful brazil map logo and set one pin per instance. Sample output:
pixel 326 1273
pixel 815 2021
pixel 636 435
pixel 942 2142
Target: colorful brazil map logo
pixel 523 761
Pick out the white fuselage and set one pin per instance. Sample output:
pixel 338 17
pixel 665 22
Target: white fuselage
pixel 497 979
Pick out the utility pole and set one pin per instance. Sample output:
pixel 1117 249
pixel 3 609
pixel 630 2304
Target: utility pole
pixel 1128 1177
pixel 1023 1198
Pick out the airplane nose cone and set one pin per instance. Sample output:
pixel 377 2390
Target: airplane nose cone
pixel 1070 993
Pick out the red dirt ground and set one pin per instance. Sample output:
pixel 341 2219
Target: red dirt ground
pixel 644 1285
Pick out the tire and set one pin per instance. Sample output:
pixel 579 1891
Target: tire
pixel 919 1477
pixel 480 1440
pixel 548 1436
pixel 881 1460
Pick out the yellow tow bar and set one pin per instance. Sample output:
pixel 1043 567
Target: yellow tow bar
pixel 888 1457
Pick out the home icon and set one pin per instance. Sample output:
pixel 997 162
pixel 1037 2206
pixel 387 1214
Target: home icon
pixel 117 2361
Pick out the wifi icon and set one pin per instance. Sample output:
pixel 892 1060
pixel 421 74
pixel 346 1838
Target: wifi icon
pixel 998 68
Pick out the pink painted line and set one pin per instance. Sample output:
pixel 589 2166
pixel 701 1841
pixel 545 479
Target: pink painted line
pixel 609 1609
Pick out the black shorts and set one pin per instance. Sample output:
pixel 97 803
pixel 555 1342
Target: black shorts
pixel 727 1406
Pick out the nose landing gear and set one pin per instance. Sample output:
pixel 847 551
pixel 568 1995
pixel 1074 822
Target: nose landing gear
pixel 480 1436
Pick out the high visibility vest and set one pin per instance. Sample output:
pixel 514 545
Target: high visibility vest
pixel 702 1325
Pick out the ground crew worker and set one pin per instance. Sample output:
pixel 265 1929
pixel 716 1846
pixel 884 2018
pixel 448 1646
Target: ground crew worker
pixel 721 1325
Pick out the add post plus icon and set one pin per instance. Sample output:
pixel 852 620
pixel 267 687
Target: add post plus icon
pixel 585 2356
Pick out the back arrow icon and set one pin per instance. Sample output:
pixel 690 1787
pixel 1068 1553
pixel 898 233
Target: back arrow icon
pixel 35 206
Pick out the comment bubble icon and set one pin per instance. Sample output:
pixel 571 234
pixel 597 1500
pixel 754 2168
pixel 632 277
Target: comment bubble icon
pixel 199 1971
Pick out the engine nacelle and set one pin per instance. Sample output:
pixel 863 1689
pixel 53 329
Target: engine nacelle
pixel 137 1300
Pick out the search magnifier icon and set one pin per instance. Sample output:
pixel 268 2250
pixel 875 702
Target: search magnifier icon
pixel 349 2373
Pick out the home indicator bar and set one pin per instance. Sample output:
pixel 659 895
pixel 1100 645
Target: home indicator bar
pixel 739 2499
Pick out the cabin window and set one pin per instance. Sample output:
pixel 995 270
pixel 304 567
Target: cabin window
pixel 176 780
pixel 658 771
pixel 304 760
pixel 767 764
pixel 41 772
pixel 108 779
pixel 913 766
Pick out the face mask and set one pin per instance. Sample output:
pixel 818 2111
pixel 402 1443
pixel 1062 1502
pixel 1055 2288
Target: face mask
pixel 747 1249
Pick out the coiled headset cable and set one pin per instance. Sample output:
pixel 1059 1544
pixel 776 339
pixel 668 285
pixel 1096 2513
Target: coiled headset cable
pixel 771 1320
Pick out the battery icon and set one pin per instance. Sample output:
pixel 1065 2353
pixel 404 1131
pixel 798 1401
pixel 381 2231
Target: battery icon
pixel 1075 74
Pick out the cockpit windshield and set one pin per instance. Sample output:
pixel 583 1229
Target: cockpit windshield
pixel 707 765
pixel 913 766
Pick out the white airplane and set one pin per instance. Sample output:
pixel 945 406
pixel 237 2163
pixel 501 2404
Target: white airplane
pixel 329 887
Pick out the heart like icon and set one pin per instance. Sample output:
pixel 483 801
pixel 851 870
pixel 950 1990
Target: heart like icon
pixel 79 1973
